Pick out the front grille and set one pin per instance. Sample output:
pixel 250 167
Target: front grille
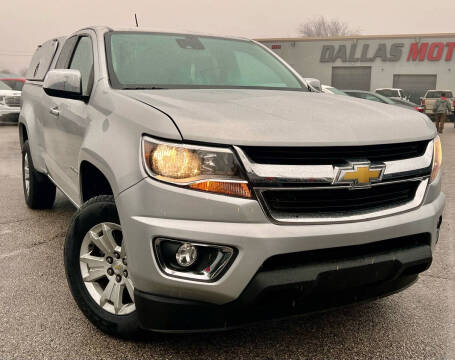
pixel 13 101
pixel 331 201
pixel 334 155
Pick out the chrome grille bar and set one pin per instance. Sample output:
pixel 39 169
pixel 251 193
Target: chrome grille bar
pixel 305 174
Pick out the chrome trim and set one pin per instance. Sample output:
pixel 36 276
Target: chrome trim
pixel 223 258
pixel 303 174
pixel 12 101
pixel 407 166
pixel 260 173
pixel 366 215
pixel 64 193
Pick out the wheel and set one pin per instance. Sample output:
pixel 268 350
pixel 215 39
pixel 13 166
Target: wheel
pixel 39 191
pixel 97 269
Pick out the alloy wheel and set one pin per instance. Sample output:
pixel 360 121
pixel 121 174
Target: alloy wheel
pixel 104 269
pixel 26 174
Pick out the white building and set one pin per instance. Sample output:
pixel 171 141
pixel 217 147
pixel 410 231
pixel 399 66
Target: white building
pixel 415 63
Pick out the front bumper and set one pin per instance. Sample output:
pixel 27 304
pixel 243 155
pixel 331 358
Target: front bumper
pixel 158 313
pixel 151 209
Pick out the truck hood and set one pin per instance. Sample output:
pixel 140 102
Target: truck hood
pixel 10 93
pixel 289 118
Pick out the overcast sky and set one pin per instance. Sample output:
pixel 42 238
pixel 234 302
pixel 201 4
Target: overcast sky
pixel 25 24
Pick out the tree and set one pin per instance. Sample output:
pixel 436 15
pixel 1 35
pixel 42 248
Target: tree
pixel 322 27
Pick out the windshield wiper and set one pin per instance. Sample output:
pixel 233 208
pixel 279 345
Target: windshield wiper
pixel 143 88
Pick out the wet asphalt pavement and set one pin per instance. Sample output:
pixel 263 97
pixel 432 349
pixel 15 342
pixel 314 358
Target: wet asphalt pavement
pixel 39 319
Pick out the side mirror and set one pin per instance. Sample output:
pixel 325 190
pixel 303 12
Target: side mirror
pixel 64 83
pixel 314 84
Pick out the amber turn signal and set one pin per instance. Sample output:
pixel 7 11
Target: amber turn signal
pixel 223 187
pixel 437 158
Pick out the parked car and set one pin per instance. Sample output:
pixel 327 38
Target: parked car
pixel 393 93
pixel 407 103
pixel 214 189
pixel 332 90
pixel 14 83
pixel 430 98
pixel 10 101
pixel 367 95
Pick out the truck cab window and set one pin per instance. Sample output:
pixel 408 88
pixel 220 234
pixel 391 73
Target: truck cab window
pixel 82 60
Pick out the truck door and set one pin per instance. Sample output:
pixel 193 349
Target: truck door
pixel 71 118
pixel 53 143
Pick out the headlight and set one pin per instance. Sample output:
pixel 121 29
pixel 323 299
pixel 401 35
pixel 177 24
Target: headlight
pixel 437 158
pixel 196 167
pixel 2 100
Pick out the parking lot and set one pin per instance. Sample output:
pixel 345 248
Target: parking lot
pixel 40 320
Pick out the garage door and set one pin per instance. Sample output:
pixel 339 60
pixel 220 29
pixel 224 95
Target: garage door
pixel 415 85
pixel 351 77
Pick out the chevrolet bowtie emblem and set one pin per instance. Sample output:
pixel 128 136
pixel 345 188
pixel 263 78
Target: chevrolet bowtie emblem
pixel 359 174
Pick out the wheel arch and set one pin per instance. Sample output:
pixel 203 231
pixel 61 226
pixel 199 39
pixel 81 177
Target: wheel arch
pixel 23 133
pixel 30 131
pixel 95 178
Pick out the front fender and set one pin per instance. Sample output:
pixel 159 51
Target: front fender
pixel 113 138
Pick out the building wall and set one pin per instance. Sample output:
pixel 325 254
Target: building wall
pixel 315 58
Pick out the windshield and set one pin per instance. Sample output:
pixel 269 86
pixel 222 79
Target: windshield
pixel 3 86
pixel 14 84
pixel 158 60
pixel 384 99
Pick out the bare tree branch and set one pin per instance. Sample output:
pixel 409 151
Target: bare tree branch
pixel 322 27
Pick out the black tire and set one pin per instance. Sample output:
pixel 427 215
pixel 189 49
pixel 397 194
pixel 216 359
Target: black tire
pixel 100 209
pixel 41 190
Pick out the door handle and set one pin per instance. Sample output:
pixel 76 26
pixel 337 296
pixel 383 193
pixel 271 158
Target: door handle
pixel 54 111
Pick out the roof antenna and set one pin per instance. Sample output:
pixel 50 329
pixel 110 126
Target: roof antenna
pixel 135 18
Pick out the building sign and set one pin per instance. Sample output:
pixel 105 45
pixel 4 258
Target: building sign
pixel 435 51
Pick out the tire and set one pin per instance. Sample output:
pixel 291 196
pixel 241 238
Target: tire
pixel 95 233
pixel 39 191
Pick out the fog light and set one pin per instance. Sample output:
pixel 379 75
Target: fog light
pixel 192 260
pixel 186 255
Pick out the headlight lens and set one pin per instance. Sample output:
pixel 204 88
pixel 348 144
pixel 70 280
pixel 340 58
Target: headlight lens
pixel 437 158
pixel 175 162
pixel 2 100
pixel 196 167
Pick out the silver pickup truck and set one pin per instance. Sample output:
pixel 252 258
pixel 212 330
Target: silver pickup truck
pixel 214 188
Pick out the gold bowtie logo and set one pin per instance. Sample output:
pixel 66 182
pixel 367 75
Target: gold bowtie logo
pixel 359 174
pixel 363 175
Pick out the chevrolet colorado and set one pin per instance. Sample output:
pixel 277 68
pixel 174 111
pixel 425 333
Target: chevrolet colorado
pixel 214 188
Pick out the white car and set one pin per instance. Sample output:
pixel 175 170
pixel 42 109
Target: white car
pixel 10 103
pixel 393 93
